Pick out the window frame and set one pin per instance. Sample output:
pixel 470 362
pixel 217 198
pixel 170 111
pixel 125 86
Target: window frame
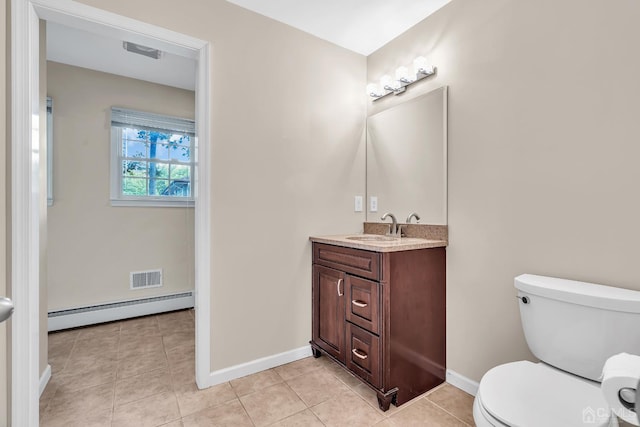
pixel 119 199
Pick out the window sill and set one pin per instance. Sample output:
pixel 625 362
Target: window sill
pixel 154 203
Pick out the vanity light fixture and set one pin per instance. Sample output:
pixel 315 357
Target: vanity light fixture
pixel 421 69
pixel 374 90
pixel 402 75
pixel 422 66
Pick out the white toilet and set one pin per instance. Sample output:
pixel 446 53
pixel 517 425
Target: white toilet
pixel 573 328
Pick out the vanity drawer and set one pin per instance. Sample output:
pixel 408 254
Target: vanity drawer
pixel 363 355
pixel 354 261
pixel 363 303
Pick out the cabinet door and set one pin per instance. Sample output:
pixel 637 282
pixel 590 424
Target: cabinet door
pixel 328 311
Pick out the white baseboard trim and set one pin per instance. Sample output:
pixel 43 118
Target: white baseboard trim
pixel 83 316
pixel 462 382
pixel 248 368
pixel 44 379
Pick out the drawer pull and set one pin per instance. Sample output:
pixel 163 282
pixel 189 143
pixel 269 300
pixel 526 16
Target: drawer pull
pixel 358 354
pixel 359 303
pixel 338 287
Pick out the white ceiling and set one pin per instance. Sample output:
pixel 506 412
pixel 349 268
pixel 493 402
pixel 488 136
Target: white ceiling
pixel 103 53
pixel 362 26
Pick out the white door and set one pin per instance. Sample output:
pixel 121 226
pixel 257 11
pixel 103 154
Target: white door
pixel 5 347
pixel 6 308
pixel 4 383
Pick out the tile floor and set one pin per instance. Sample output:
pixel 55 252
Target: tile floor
pixel 140 372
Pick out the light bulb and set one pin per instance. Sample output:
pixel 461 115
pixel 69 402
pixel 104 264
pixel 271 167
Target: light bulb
pixel 386 82
pixel 373 90
pixel 396 84
pixel 402 74
pixel 422 66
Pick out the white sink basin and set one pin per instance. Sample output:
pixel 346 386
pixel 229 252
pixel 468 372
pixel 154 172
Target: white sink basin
pixel 373 238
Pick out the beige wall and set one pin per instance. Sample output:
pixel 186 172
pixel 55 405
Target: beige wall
pixel 543 154
pixel 287 159
pixel 542 167
pixel 92 245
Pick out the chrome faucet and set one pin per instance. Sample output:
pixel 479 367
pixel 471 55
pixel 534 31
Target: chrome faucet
pixel 393 231
pixel 413 215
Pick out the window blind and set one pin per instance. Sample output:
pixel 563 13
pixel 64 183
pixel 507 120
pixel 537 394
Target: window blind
pixel 123 118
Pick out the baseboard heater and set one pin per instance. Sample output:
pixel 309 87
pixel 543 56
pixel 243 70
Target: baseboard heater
pixel 100 313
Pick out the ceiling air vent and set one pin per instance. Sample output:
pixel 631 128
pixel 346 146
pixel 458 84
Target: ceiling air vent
pixel 142 50
pixel 145 279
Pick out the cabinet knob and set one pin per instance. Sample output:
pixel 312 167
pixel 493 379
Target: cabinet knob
pixel 360 355
pixel 359 303
pixel 338 287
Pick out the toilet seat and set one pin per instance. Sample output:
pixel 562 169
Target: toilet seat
pixel 522 394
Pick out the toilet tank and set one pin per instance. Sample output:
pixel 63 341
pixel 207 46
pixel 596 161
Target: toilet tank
pixel 577 326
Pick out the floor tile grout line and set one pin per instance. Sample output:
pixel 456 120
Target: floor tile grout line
pixel 298 375
pixel 215 405
pixel 448 412
pixel 404 405
pixel 75 339
pixel 74 347
pixel 294 414
pixel 375 408
pixel 113 403
pixel 316 415
pixel 299 398
pixel 173 392
pixel 355 392
pixel 350 389
pixel 115 380
pixel 245 409
pixel 386 414
pixel 260 389
pixel 294 392
pixel 285 382
pixel 142 398
pixel 169 368
pixel 327 368
pixel 298 394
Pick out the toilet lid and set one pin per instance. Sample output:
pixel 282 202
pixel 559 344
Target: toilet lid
pixel 524 394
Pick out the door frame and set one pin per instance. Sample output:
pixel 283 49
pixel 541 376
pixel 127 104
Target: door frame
pixel 25 191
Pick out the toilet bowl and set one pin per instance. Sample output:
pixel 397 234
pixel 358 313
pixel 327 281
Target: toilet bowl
pixel 573 328
pixel 535 394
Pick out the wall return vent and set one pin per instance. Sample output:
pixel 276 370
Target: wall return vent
pixel 145 279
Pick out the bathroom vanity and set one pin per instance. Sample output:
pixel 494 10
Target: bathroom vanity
pixel 379 310
pixel 379 302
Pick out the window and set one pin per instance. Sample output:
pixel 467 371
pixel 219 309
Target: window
pixel 151 159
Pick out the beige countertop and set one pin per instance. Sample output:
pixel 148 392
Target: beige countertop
pixel 395 245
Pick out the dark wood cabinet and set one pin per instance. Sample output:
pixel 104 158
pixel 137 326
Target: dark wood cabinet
pixel 382 316
pixel 363 303
pixel 328 311
pixel 363 355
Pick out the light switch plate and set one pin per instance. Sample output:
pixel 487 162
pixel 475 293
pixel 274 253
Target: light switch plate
pixel 357 205
pixel 373 204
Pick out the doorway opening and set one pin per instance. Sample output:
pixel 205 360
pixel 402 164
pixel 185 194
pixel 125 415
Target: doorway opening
pixel 25 161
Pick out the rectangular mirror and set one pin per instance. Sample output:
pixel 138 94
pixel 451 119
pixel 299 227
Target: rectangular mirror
pixel 407 159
